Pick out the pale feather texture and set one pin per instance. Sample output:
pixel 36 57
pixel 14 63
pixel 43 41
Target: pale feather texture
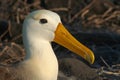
pixel 40 61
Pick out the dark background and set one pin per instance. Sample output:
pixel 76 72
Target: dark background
pixel 95 23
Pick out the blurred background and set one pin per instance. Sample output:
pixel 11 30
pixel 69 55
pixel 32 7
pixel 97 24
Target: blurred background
pixel 95 23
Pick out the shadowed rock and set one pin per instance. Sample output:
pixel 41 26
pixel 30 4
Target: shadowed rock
pixel 73 69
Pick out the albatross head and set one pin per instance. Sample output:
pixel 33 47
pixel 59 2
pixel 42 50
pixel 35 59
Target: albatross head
pixel 46 25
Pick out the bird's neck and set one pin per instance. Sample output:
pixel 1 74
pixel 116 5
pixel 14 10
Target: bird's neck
pixel 39 49
pixel 42 60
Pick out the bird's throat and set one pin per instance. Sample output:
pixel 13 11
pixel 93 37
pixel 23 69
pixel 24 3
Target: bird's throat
pixel 41 56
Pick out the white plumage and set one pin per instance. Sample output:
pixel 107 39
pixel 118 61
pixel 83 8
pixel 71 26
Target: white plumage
pixel 40 28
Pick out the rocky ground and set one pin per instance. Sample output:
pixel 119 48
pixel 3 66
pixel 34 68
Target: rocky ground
pixel 95 23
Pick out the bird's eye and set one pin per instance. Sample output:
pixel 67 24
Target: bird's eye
pixel 43 21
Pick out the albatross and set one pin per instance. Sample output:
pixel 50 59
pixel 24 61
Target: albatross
pixel 40 28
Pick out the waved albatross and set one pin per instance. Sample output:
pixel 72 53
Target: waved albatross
pixel 40 28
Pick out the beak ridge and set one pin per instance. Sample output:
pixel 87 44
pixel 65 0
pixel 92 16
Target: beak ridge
pixel 64 38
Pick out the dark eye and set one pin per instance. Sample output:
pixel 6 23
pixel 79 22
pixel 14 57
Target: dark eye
pixel 43 21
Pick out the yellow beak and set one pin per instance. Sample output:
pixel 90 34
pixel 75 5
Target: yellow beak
pixel 64 38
